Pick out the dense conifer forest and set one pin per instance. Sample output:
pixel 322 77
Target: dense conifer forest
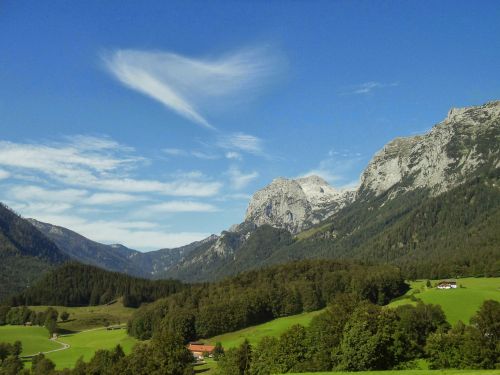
pixel 454 234
pixel 76 284
pixel 25 253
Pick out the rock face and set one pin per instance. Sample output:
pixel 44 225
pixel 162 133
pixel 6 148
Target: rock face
pixel 295 205
pixel 465 141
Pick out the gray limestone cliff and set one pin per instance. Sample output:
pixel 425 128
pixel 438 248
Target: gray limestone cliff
pixel 295 205
pixel 453 150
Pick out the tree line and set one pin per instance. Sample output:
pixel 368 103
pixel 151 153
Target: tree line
pixel 76 284
pixel 351 335
pixel 23 315
pixel 454 234
pixel 165 354
pixel 355 335
pixel 254 297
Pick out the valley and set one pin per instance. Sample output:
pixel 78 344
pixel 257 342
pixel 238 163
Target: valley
pixel 89 334
pixel 313 278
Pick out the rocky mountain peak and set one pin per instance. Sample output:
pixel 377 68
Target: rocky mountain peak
pixel 439 159
pixel 295 205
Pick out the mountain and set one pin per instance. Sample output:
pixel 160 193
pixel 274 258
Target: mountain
pixel 431 199
pixel 466 142
pixel 428 203
pixel 296 205
pixel 25 253
pixel 116 257
pixel 77 247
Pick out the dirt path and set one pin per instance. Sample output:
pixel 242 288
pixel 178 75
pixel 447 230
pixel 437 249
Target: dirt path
pixel 64 345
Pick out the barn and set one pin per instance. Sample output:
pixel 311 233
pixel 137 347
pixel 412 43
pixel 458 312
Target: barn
pixel 447 284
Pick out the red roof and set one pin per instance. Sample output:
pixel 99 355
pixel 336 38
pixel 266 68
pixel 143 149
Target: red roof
pixel 201 348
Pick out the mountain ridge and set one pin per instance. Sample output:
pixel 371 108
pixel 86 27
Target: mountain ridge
pixel 419 167
pixel 305 217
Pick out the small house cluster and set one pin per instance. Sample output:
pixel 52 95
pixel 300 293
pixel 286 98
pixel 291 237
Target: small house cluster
pixel 200 350
pixel 447 284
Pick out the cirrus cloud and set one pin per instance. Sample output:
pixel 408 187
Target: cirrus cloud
pixel 185 84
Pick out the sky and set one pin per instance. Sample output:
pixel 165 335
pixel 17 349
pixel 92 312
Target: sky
pixel 151 123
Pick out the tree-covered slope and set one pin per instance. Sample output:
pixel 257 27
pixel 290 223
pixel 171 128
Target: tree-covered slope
pixel 25 253
pixel 205 310
pixel 117 258
pixel 428 203
pixel 453 234
pixel 76 284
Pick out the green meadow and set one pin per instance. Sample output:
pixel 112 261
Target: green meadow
pixel 411 372
pixel 255 333
pixel 34 339
pixel 85 344
pixel 458 304
pixel 88 317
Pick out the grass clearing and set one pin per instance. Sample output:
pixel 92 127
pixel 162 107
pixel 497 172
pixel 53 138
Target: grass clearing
pixel 311 232
pixel 89 317
pixel 87 343
pixel 458 304
pixel 255 333
pixel 34 339
pixel 411 372
pixel 209 367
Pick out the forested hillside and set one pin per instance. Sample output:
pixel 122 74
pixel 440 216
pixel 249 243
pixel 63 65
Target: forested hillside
pixel 75 284
pixel 254 297
pixel 25 253
pixel 452 234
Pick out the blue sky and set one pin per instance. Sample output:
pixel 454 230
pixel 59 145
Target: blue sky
pixel 151 123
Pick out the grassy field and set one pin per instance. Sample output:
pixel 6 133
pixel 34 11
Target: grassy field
pixel 209 367
pixel 34 339
pixel 86 343
pixel 411 372
pixel 458 304
pixel 254 334
pixel 82 318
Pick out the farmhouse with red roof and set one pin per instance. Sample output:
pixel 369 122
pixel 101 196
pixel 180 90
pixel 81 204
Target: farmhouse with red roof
pixel 200 350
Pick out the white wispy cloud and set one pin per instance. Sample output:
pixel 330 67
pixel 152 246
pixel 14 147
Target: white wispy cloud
pixel 175 152
pixel 96 163
pixel 36 193
pixel 95 186
pixel 339 168
pixel 204 155
pixel 238 179
pixel 111 198
pixel 233 155
pixel 181 206
pixel 184 84
pixel 242 142
pixel 135 234
pixel 35 196
pixel 234 197
pixel 194 153
pixel 368 87
pixel 4 174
